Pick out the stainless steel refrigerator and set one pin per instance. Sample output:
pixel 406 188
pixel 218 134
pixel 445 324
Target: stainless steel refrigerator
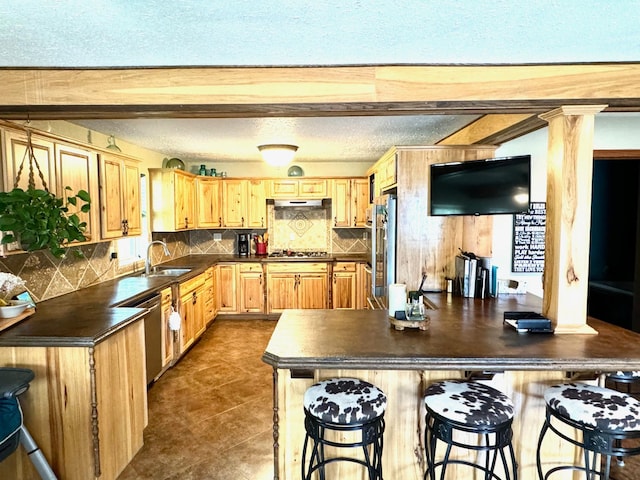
pixel 383 249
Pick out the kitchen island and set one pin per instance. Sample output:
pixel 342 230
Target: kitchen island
pixel 465 337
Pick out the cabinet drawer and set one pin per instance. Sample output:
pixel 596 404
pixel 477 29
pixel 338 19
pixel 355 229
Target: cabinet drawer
pixel 344 267
pixel 284 189
pixel 192 284
pixel 250 267
pixel 298 267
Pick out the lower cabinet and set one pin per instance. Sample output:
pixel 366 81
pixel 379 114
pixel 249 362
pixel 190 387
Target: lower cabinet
pixel 167 307
pixel 209 295
pixel 297 285
pixel 345 286
pixel 251 288
pixel 240 287
pixel 192 311
pixel 86 407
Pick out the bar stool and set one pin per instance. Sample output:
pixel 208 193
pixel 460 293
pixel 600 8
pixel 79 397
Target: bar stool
pixel 344 405
pixel 629 379
pixel 455 406
pixel 604 417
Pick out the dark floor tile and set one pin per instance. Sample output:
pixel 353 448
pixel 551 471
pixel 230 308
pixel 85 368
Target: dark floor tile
pixel 210 416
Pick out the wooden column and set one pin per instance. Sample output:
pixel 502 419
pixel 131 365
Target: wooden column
pixel 569 176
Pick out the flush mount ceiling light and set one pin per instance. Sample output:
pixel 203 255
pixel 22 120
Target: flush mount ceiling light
pixel 278 154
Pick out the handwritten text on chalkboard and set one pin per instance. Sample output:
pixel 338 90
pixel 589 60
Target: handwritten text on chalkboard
pixel 528 239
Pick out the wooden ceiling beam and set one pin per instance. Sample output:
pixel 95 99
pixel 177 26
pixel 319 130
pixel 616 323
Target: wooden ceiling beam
pixel 494 129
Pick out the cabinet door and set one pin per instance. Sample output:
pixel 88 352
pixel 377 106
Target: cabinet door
pixel 363 286
pixel 78 169
pixel 111 198
pixel 359 201
pixel 199 305
pixel 131 199
pixel 234 201
pixel 167 333
pixel 341 202
pixel 313 188
pixel 257 204
pixel 284 189
pixel 187 327
pixel 15 147
pixel 226 289
pixel 184 201
pixel 282 291
pixel 344 285
pixel 208 200
pixel 312 290
pixel 251 292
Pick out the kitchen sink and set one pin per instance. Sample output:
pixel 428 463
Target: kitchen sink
pixel 166 272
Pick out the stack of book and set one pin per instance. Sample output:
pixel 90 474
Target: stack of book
pixel 473 276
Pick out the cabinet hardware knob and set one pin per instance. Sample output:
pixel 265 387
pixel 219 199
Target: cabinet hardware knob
pixel 335 221
pixel 220 221
pixel 354 221
pixel 242 219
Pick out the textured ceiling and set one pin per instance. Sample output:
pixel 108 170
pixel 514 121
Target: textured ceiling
pixel 106 33
pixel 320 139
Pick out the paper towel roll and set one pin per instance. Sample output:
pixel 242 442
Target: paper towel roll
pixel 397 298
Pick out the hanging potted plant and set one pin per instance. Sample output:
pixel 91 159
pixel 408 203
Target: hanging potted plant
pixel 37 219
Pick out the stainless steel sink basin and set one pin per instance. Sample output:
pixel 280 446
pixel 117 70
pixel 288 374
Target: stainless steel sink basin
pixel 166 272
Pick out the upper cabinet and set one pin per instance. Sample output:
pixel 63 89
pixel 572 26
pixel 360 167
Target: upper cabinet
pixel 172 200
pixel 244 203
pixel 299 188
pixel 14 152
pixel 349 202
pixel 77 168
pixel 120 208
pixel 209 214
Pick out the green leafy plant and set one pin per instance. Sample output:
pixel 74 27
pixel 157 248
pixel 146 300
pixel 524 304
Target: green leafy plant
pixel 37 219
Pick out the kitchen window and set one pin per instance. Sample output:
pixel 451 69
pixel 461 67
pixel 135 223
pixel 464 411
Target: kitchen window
pixel 133 249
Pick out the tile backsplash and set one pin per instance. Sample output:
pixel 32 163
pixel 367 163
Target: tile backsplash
pixel 300 229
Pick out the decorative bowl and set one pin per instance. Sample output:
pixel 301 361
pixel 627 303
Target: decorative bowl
pixel 15 308
pixel 175 163
pixel 295 171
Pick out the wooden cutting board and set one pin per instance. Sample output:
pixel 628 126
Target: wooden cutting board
pixel 9 322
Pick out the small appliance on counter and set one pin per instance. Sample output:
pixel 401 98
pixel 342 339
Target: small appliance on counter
pixel 243 244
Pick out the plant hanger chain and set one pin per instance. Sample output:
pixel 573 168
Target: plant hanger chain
pixel 32 159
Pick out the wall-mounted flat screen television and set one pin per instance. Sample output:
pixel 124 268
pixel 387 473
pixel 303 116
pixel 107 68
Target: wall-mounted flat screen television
pixel 493 186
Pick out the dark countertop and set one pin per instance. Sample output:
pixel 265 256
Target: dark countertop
pixel 463 334
pixel 88 316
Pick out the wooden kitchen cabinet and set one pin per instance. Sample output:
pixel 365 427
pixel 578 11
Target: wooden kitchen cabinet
pixel 209 295
pixel 344 286
pixel 251 288
pixel 192 311
pixel 256 204
pixel 226 287
pixel 172 200
pixel 86 407
pixel 120 208
pixel 349 202
pixel 166 307
pixel 14 148
pixel 209 200
pixel 244 203
pixel 363 287
pixel 299 188
pixel 78 168
pixel 297 285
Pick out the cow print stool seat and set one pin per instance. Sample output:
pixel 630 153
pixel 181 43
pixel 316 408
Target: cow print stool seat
pixel 343 405
pixel 458 406
pixel 604 418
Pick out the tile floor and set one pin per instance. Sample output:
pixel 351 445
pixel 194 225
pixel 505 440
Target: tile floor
pixel 210 416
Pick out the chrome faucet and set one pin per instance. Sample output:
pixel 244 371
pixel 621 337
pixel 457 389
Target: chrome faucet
pixel 147 262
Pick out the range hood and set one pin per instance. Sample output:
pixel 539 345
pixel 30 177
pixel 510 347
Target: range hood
pixel 299 202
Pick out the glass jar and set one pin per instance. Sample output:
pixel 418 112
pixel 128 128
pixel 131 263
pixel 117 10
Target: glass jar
pixel 203 170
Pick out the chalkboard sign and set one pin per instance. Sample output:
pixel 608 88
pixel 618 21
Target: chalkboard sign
pixel 528 239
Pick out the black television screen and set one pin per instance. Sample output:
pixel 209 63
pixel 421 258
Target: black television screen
pixel 481 187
